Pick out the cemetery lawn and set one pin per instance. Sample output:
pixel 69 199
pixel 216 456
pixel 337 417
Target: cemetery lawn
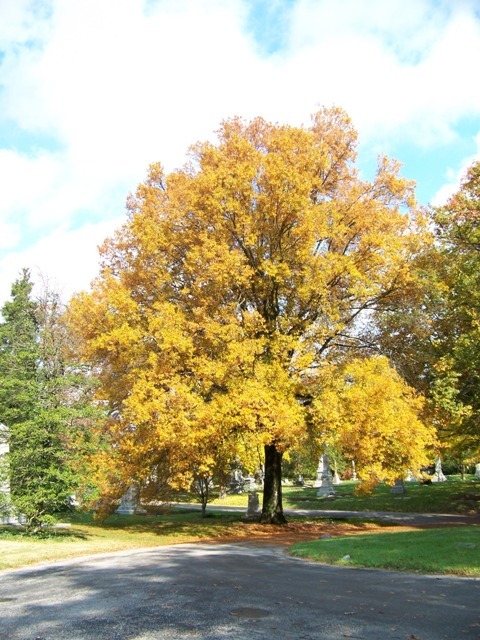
pixel 454 496
pixel 368 543
pixel 449 550
pixel 453 550
pixel 80 535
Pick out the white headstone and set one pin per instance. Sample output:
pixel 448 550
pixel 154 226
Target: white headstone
pixel 326 486
pixel 130 502
pixel 336 478
pixel 438 475
pixel 318 481
pixel 354 471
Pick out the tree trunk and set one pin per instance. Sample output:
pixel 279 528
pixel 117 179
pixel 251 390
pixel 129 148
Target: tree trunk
pixel 272 508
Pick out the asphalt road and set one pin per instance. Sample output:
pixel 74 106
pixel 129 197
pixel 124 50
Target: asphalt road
pixel 235 591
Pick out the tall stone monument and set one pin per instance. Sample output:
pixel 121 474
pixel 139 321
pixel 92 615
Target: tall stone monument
pixel 324 482
pixel 130 502
pixel 354 471
pixel 438 476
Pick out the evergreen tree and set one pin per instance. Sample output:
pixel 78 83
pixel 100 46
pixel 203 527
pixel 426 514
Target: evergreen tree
pixel 41 400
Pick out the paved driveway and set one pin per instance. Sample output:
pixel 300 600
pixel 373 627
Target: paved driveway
pixel 235 591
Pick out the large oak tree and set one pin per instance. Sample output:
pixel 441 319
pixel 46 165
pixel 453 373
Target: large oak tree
pixel 233 280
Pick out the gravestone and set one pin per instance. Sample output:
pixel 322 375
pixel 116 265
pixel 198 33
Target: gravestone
pixel 249 483
pixel 258 475
pixel 237 482
pixel 253 508
pixel 324 478
pixel 130 502
pixel 299 481
pixel 398 487
pixel 336 478
pixel 354 471
pixel 477 470
pixel 438 475
pixel 318 480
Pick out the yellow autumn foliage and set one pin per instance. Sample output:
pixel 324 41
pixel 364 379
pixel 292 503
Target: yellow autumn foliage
pixel 367 411
pixel 232 278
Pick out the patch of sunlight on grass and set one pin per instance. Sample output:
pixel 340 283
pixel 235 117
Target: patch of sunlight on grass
pixel 451 550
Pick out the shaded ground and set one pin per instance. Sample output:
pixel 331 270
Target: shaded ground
pixel 231 591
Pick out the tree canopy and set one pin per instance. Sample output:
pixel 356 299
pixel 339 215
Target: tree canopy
pixel 233 283
pixel 456 378
pixel 365 410
pixel 42 404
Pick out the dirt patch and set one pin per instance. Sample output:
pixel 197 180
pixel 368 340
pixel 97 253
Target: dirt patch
pixel 293 532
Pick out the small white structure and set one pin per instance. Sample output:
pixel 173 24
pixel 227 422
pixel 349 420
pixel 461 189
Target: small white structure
pixel 336 478
pixel 6 516
pixel 354 471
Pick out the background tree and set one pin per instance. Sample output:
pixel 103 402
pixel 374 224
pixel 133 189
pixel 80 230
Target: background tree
pixel 235 276
pixel 456 383
pixel 41 404
pixel 432 333
pixel 367 411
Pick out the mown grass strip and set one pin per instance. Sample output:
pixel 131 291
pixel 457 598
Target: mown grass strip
pixel 447 550
pixel 117 533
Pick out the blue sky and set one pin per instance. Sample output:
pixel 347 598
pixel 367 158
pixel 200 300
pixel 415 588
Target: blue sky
pixel 93 91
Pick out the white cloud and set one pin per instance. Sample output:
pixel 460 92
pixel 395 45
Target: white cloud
pixel 454 177
pixel 67 259
pixel 117 86
pixel 402 68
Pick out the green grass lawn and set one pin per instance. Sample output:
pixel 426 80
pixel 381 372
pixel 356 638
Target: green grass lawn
pixel 86 537
pixel 453 496
pixel 449 550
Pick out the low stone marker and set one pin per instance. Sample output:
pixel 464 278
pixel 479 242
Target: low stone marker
pixel 398 487
pixel 253 508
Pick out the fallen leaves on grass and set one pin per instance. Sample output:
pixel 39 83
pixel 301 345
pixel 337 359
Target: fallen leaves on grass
pixel 293 532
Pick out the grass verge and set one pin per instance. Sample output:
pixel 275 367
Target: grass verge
pixel 117 533
pixel 449 550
